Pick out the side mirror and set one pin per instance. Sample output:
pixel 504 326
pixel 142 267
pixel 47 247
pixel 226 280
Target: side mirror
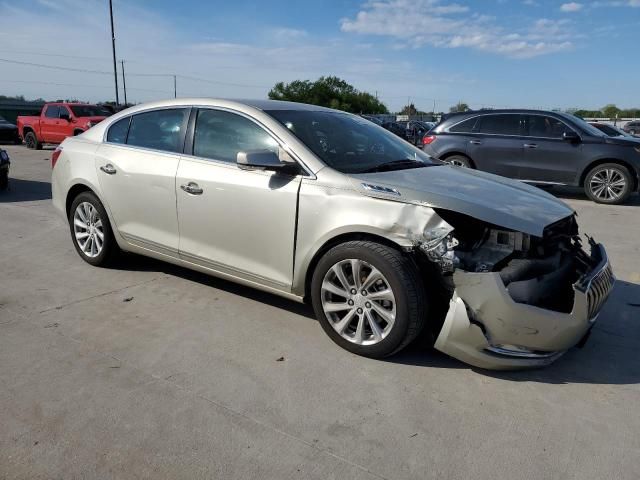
pixel 571 136
pixel 266 160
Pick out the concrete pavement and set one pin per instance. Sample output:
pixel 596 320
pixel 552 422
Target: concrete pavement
pixel 147 370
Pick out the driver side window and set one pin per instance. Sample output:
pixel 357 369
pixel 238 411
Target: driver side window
pixel 220 135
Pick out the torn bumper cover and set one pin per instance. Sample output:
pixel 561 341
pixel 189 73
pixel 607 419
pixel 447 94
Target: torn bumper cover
pixel 487 328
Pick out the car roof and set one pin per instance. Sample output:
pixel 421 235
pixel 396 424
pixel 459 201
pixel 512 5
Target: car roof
pixel 278 105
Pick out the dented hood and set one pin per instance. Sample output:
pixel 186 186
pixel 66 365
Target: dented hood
pixel 490 198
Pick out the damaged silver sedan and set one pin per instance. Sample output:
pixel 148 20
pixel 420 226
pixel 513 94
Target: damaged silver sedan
pixel 325 207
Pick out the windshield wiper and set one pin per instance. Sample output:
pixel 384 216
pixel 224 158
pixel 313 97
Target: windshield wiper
pixel 395 165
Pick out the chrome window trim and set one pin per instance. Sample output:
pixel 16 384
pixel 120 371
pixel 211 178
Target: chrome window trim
pixel 130 117
pixel 505 135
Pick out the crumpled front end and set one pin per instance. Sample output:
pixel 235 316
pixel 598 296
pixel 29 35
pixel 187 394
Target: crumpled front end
pixel 516 301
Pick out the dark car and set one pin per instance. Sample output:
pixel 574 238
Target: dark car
pixel 610 130
pixel 8 132
pixel 540 147
pixel 5 163
pixel 395 127
pixel 632 127
pixel 415 130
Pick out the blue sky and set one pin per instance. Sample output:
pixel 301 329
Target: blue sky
pixel 501 53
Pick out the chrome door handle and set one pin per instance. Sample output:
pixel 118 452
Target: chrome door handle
pixel 192 188
pixel 530 145
pixel 108 169
pixel 475 142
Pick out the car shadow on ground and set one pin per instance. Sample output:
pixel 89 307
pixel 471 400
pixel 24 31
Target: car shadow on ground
pixel 609 357
pixel 134 262
pixel 576 193
pixel 25 191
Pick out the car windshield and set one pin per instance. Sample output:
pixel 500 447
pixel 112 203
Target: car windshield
pixel 89 111
pixel 351 144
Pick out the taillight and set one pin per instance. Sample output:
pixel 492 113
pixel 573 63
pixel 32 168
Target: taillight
pixel 428 139
pixel 55 155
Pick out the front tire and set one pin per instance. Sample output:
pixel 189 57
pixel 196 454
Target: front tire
pixel 608 183
pixel 90 230
pixel 369 298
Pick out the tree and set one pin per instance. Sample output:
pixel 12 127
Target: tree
pixel 610 111
pixel 331 92
pixel 409 110
pixel 459 107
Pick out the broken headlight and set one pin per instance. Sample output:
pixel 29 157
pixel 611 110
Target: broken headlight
pixel 439 246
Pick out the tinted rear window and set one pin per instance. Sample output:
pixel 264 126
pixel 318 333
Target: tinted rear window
pixel 466 126
pixel 159 130
pixel 118 131
pixel 507 124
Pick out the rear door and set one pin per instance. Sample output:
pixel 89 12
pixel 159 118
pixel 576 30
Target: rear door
pixel 137 169
pixel 496 145
pixel 48 123
pixel 239 222
pixel 547 157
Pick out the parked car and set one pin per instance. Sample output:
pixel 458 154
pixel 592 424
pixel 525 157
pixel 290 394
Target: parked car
pixel 8 132
pixel 5 163
pixel 373 119
pixel 546 148
pixel 396 128
pixel 610 130
pixel 58 121
pixel 415 130
pixel 323 206
pixel 632 128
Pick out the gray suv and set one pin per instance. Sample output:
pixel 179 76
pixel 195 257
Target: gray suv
pixel 632 128
pixel 540 147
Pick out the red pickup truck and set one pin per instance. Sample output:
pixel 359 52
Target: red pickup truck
pixel 58 121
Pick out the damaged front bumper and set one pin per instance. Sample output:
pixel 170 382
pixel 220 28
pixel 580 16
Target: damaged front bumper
pixel 487 328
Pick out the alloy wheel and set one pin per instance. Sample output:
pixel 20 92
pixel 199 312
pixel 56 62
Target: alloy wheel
pixel 607 184
pixel 358 302
pixel 88 229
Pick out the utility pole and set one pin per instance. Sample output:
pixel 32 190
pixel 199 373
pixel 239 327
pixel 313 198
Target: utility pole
pixel 113 46
pixel 175 90
pixel 124 83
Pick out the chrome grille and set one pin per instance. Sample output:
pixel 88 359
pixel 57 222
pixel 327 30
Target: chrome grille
pixel 599 288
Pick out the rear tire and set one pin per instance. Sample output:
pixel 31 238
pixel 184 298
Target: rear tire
pixel 32 141
pixel 609 183
pixel 91 231
pixel 378 314
pixel 459 161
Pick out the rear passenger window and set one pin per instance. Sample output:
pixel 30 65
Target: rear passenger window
pixel 501 124
pixel 52 112
pixel 118 131
pixel 464 127
pixel 548 127
pixel 220 135
pixel 159 130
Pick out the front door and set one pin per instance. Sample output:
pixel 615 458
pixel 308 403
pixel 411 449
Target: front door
pixel 48 123
pixel 547 157
pixel 137 173
pixel 238 222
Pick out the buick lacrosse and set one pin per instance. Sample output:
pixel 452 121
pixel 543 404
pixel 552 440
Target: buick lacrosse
pixel 326 207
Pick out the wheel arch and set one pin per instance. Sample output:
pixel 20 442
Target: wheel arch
pixel 337 240
pixel 623 163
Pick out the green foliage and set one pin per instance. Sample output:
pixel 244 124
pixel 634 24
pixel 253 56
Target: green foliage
pixel 329 92
pixel 610 111
pixel 459 107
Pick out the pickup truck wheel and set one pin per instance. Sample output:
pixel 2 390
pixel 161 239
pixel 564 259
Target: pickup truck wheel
pixel 91 231
pixel 32 141
pixel 369 298
pixel 608 183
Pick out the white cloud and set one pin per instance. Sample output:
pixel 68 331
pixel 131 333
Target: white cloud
pixel 571 7
pixel 430 22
